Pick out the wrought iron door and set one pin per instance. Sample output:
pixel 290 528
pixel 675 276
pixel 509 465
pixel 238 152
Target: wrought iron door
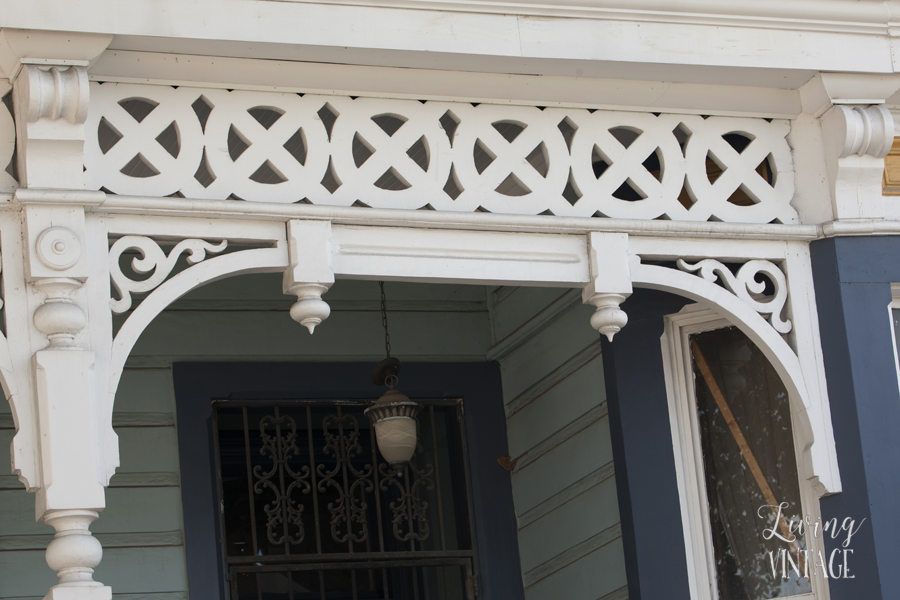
pixel 310 510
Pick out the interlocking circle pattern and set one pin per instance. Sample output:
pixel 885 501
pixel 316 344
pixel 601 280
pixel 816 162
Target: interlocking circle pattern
pixel 447 156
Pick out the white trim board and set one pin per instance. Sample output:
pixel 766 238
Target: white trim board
pixel 124 66
pixel 476 221
pixel 695 43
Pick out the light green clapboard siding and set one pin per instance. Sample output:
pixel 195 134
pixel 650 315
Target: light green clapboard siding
pixel 244 318
pixel 564 486
pixel 523 304
pixel 558 406
pixel 547 350
pixel 597 573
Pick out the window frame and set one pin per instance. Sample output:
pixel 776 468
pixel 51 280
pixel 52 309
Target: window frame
pixel 894 305
pixel 681 397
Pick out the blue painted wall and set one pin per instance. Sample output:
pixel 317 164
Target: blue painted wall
pixel 852 283
pixel 196 384
pixel 646 483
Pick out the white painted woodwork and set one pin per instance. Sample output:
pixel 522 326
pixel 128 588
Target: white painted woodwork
pixel 73 448
pixel 249 238
pixel 68 431
pixel 52 106
pixel 247 261
pixel 51 97
pixel 599 91
pixel 7 143
pixel 260 212
pixel 610 282
pixel 461 257
pixel 740 45
pixel 826 89
pixel 747 285
pixel 857 139
pixel 152 260
pixel 604 263
pixel 45 48
pixel 777 350
pixel 823 473
pixel 540 169
pixel 240 318
pixel 311 273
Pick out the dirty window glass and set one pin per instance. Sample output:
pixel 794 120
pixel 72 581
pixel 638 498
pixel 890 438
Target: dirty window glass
pixel 750 469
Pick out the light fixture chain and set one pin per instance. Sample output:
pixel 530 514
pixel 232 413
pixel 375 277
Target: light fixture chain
pixel 384 323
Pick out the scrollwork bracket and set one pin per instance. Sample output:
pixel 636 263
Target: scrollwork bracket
pixel 152 260
pixel 746 286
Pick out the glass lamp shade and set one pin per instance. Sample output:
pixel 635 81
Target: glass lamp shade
pixel 394 420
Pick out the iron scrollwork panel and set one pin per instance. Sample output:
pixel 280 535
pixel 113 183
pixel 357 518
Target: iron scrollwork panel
pixel 409 507
pixel 320 485
pixel 283 512
pixel 350 507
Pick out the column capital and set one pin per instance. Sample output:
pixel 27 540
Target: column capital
pixel 856 140
pixel 48 71
pixel 859 130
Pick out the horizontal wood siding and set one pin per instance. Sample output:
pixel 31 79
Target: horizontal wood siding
pixel 244 318
pixel 564 488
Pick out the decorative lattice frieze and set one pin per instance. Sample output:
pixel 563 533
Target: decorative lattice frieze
pixel 341 151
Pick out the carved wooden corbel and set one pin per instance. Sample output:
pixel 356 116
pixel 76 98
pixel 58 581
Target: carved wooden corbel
pixel 610 281
pixel 51 107
pixel 48 71
pixel 311 273
pixel 857 138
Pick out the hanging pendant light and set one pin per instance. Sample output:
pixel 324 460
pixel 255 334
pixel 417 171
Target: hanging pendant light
pixel 394 415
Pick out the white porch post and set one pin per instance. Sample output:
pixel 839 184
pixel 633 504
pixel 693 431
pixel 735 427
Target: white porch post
pixel 66 395
pixel 69 440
